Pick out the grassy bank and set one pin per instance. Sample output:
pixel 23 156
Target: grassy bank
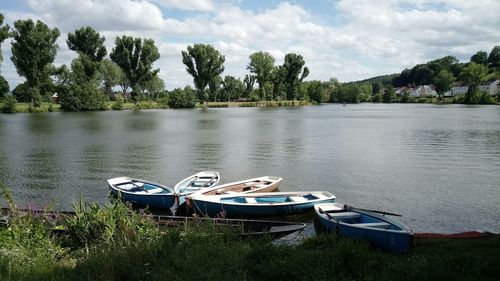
pixel 114 243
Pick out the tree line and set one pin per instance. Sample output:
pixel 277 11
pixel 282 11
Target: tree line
pixel 91 79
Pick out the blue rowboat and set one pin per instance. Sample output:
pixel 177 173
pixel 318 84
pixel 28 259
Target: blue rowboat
pixel 142 192
pixel 375 227
pixel 201 180
pixel 257 204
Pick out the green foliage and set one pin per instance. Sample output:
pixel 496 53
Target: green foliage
pixel 4 34
pixel 153 87
pixel 494 57
pixel 232 88
pixel 315 90
pixel 4 86
pixel 443 81
pixel 481 57
pixel 135 57
pixel 248 81
pixel 294 73
pixel 21 92
pixel 33 51
pixel 112 227
pixel 474 74
pixel 117 105
pixel 204 63
pixel 110 75
pixel 90 47
pixel 262 66
pixel 351 93
pixel 9 104
pixel 406 97
pixel 389 94
pixel 182 98
pixel 81 92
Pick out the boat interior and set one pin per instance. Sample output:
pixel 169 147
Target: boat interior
pixel 357 219
pixel 275 199
pixel 141 188
pixel 241 187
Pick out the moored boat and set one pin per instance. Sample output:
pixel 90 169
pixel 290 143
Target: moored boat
pixel 257 204
pixel 260 184
pixel 201 180
pixel 142 192
pixel 375 227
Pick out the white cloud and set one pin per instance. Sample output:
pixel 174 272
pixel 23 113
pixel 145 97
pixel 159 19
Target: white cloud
pixel 372 38
pixel 190 5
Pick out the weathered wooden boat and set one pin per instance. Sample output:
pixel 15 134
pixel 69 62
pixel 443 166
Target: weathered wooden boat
pixel 257 204
pixel 240 227
pixel 142 192
pixel 201 180
pixel 374 226
pixel 261 184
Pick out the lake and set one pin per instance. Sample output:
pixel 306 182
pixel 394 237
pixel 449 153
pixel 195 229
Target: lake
pixel 439 166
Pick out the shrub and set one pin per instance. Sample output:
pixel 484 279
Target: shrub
pixel 9 105
pixel 179 98
pixel 118 105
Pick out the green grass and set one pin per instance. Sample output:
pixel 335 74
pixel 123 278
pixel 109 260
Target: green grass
pixel 115 243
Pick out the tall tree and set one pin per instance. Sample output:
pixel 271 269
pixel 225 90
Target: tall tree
pixel 135 57
pixel 33 51
pixel 473 75
pixel 481 57
pixel 315 91
pixel 494 57
pixel 248 81
pixel 204 63
pixel 4 87
pixel 389 94
pixel 295 72
pixel 154 87
pixel 90 47
pixel 262 66
pixel 232 88
pixel 4 34
pixel 110 74
pixel 443 82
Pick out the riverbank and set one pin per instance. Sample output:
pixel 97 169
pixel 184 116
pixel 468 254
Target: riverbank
pixel 114 243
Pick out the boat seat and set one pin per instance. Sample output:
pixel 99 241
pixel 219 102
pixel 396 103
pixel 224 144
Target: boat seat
pixel 251 200
pixel 345 215
pixel 299 199
pixel 320 196
pixel 383 225
pixel 230 192
pixel 259 185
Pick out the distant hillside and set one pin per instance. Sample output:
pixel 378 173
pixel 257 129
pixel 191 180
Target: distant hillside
pixel 384 79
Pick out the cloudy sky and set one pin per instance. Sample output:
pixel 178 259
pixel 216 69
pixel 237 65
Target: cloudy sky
pixel 347 39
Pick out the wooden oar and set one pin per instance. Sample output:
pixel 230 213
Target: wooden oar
pixel 327 214
pixel 373 211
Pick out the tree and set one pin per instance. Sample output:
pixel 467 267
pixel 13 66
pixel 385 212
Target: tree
pixel 33 51
pixel 110 74
pixel 204 63
pixel 179 98
pixel 376 87
pixel 249 81
pixel 389 94
pixel 315 91
pixel 481 57
pixel 494 58
pixel 443 82
pixel 293 67
pixel 232 88
pixel 90 47
pixel 154 87
pixel 81 92
pixel 4 87
pixel 214 86
pixel 473 75
pixel 262 66
pixel 4 34
pixel 21 92
pixel 135 57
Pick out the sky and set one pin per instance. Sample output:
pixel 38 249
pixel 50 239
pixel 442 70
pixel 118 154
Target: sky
pixel 346 39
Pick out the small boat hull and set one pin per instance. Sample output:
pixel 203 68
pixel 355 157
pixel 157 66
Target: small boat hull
pixel 258 204
pixel 380 231
pixel 159 196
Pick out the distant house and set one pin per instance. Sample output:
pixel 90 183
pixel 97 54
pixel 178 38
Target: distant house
pixel 423 91
pixel 455 91
pixel 55 98
pixel 490 88
pixel 399 91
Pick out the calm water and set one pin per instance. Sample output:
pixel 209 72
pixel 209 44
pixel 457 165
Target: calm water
pixel 439 166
